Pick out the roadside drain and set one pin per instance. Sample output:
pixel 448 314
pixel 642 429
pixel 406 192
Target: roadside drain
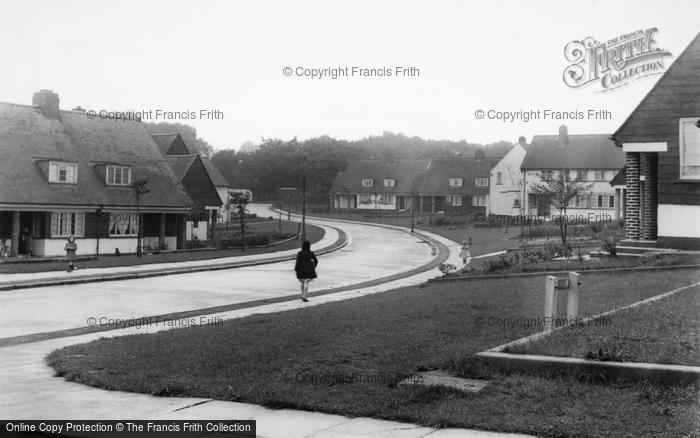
pixel 441 378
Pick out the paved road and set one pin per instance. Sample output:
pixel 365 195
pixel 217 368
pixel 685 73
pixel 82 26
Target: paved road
pixel 371 253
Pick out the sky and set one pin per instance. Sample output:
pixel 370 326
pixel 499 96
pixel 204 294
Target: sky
pixel 229 57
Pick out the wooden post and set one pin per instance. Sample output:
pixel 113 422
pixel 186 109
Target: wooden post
pixel 550 302
pixel 14 245
pixel 573 299
pixel 161 232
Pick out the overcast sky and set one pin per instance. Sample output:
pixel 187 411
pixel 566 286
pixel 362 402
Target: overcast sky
pixel 229 56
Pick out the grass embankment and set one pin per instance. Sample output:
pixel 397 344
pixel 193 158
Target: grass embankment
pixel 346 357
pixel 314 234
pixel 665 331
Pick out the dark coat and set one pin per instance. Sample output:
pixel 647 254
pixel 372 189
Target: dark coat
pixel 306 265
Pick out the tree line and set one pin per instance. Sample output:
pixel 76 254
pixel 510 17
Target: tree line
pixel 278 163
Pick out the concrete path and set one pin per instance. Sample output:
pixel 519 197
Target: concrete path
pixel 28 389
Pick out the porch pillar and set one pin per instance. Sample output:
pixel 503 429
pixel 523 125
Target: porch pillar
pixel 14 249
pixel 632 198
pixel 420 202
pixel 181 230
pixel 617 204
pixel 161 232
pixel 647 168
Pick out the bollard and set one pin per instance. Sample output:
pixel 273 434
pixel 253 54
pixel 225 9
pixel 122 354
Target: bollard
pixel 572 301
pixel 550 302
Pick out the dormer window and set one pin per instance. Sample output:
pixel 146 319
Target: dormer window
pixel 118 175
pixel 481 182
pixel 455 182
pixel 61 172
pixel 367 182
pixel 389 182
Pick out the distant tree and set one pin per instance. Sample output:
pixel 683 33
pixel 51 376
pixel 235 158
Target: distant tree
pixel 560 190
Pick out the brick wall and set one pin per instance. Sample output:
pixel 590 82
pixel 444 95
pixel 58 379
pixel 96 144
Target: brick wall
pixel 648 168
pixel 632 198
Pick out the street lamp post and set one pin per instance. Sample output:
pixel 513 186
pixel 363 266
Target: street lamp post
pixel 413 212
pixel 303 209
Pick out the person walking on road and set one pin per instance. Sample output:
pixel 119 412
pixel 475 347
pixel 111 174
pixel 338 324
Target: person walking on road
pixel 305 268
pixel 71 248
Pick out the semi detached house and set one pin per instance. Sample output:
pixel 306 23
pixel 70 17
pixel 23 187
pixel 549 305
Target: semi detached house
pixel 62 173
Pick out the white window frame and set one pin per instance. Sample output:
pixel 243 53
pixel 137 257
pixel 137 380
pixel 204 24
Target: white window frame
pixel 455 182
pixel 681 146
pixel 364 199
pixel 367 182
pixel 454 200
pixel 120 223
pixel 389 182
pixel 385 199
pixel 111 174
pixel 479 200
pixel 611 201
pixel 479 181
pixel 55 168
pixel 66 223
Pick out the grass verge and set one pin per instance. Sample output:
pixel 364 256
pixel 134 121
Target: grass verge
pixel 665 331
pixel 346 358
pixel 314 234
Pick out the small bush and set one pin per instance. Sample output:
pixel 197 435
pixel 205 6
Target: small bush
pixel 610 246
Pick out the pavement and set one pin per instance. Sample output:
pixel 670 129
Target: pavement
pixel 29 390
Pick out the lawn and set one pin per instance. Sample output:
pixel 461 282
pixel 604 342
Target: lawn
pixel 484 240
pixel 346 357
pixel 665 331
pixel 314 234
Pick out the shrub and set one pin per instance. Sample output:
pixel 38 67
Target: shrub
pixel 610 245
pixel 447 268
pixel 503 261
pixel 441 221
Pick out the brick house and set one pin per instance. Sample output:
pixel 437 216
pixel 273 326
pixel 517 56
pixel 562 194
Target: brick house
pixel 62 173
pixel 661 142
pixel 455 184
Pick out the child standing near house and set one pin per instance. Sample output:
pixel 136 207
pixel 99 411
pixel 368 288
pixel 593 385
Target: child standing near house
pixel 305 268
pixel 71 248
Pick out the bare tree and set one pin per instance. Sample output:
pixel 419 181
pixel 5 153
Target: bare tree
pixel 560 191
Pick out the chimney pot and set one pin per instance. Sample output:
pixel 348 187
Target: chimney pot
pixel 48 101
pixel 563 135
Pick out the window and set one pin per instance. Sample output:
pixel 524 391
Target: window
pixel 63 224
pixel 581 175
pixel 516 203
pixel 365 198
pixel 689 148
pixel 454 200
pixel 601 201
pixel 499 178
pixel 123 224
pixel 118 175
pixel 481 182
pixel 455 182
pixel 386 198
pixel 609 175
pixel 389 182
pixel 611 201
pixel 590 175
pixel 60 172
pixel 547 174
pixel 479 201
pixel 599 175
pixel 367 182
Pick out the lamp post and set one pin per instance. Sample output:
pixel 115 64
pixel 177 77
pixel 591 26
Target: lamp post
pixel 303 209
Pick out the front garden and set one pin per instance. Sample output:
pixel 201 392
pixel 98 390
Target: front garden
pixel 347 358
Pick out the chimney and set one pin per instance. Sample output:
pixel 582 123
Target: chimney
pixel 47 100
pixel 521 141
pixel 79 109
pixel 563 135
pixel 479 154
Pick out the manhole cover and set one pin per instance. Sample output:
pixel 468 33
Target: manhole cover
pixel 441 378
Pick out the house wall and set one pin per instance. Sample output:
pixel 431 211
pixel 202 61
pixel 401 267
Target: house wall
pixel 200 188
pixel 532 177
pixel 502 196
pixel 88 246
pixel 199 231
pixel 678 226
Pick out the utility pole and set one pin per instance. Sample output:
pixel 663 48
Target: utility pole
pixel 303 209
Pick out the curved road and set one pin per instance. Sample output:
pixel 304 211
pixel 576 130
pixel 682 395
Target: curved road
pixel 371 253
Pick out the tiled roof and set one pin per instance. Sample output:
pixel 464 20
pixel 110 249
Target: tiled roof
pixel 403 171
pixel 436 179
pixel 216 177
pixel 171 144
pixel 28 138
pixel 675 95
pixel 591 151
pixel 180 164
